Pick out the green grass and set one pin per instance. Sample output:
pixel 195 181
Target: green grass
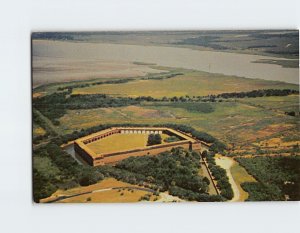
pixel 240 176
pixel 282 103
pixel 231 122
pixel 193 83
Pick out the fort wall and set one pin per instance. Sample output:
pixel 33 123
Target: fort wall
pixel 93 159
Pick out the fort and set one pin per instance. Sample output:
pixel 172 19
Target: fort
pixel 83 146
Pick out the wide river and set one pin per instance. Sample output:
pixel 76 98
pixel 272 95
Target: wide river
pixel 210 61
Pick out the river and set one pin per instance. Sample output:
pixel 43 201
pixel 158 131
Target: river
pixel 210 61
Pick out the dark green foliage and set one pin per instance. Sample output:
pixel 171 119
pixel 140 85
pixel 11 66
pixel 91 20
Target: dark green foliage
pixel 292 113
pixel 162 76
pixel 262 192
pixel 42 186
pixel 221 177
pixel 258 93
pixel 82 85
pixel 178 167
pixel 193 196
pixel 154 139
pixel 277 176
pixel 55 105
pixel 71 173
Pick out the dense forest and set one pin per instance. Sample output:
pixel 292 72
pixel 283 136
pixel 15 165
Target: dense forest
pixel 176 171
pixel 60 171
pixel 278 178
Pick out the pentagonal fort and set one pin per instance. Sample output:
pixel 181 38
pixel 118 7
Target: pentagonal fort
pixel 114 144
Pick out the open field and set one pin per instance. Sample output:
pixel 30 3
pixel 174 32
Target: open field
pixel 280 103
pixel 101 192
pixel 230 121
pixel 195 84
pixel 120 142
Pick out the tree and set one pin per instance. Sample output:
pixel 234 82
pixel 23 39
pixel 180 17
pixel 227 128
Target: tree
pixel 154 139
pixel 204 154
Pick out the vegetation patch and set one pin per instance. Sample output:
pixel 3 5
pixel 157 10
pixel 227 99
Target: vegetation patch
pixel 220 175
pixel 154 139
pixel 279 178
pixel 176 171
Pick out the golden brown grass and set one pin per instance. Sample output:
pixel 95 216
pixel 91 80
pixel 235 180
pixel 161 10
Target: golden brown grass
pixel 110 196
pixel 102 196
pixel 120 142
pixel 38 131
pixel 191 83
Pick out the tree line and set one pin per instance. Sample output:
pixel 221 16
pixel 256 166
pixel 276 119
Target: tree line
pixel 220 175
pixel 55 105
pixel 257 93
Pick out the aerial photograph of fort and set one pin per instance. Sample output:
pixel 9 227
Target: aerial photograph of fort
pixel 165 116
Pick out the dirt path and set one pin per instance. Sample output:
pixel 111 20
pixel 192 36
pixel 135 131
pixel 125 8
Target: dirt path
pixel 226 163
pixel 165 197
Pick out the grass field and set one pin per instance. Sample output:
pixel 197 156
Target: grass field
pixel 120 142
pixel 281 103
pixel 240 176
pixel 232 122
pixel 102 192
pixel 193 83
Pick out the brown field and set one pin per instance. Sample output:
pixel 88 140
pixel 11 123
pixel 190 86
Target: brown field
pixel 104 193
pixel 109 196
